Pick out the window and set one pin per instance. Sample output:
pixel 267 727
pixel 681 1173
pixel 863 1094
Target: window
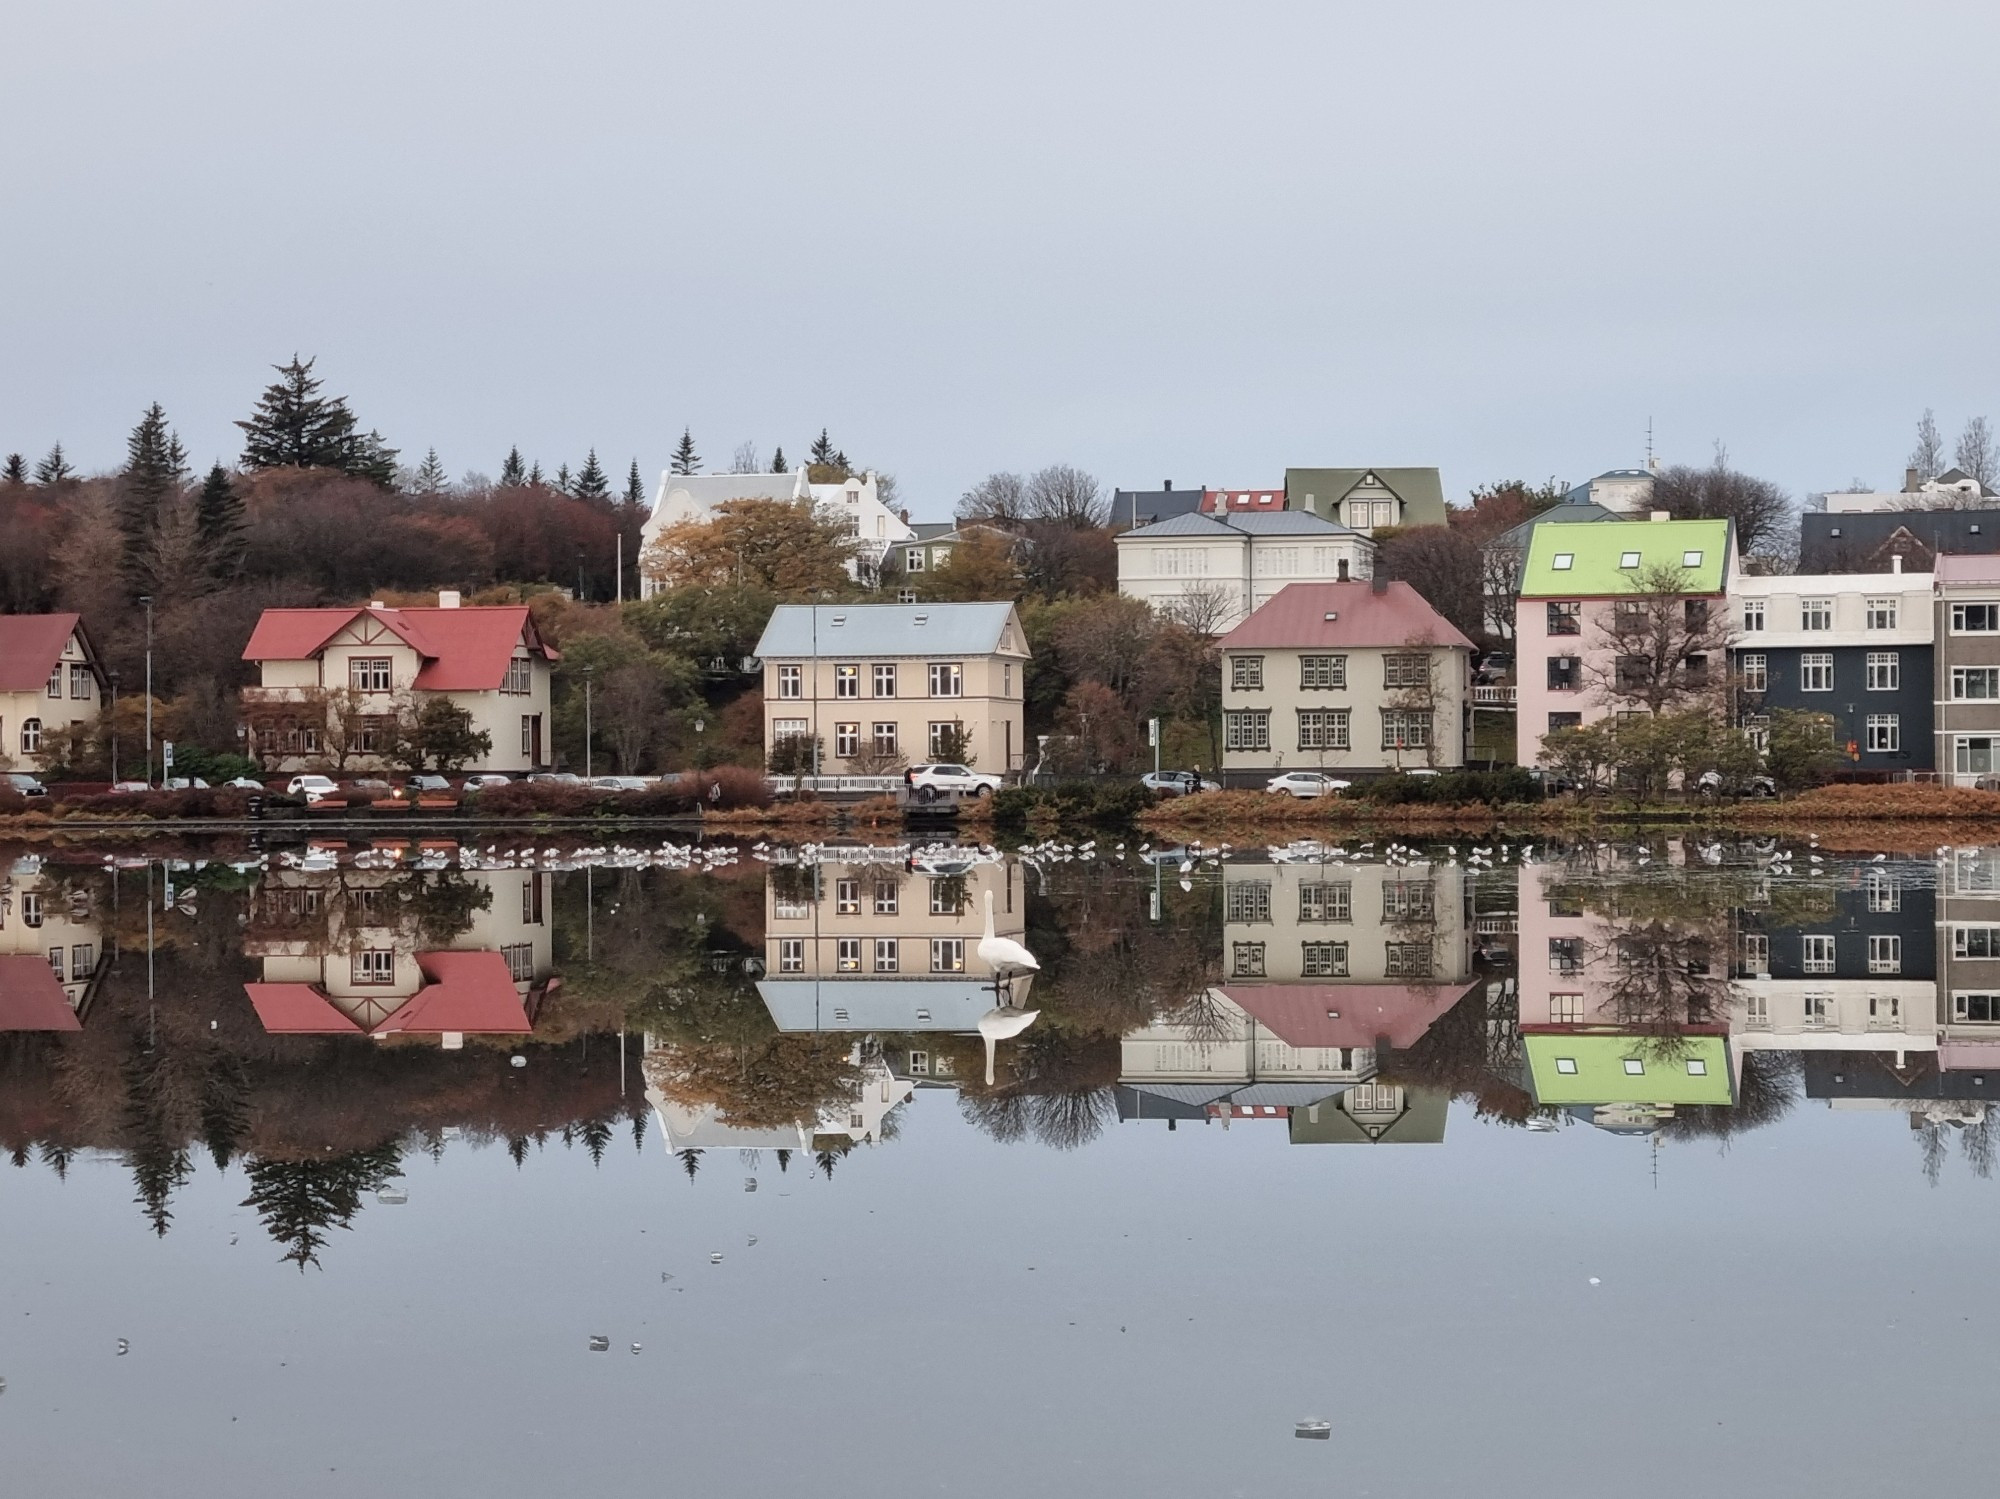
pixel 56 963
pixel 81 684
pixel 1884 891
pixel 520 678
pixel 1757 1011
pixel 531 900
pixel 1628 559
pixel 1755 671
pixel 1975 942
pixel 31 907
pixel 847 740
pixel 1756 952
pixel 1695 612
pixel 1566 1009
pixel 1980 1009
pixel 1566 1066
pixel 1406 671
pixel 1753 614
pixel 1885 1011
pixel 1565 721
pixel 790 682
pixel 945 737
pixel 947 897
pixel 885 681
pixel 1246 673
pixel 1322 673
pixel 1408 900
pixel 947 679
pixel 1247 901
pixel 789 728
pixel 1246 960
pixel 947 955
pixel 55 681
pixel 906 595
pixel 1562 562
pixel 1817 1005
pixel 1635 1067
pixel 31 736
pixel 1975 871
pixel 1818 953
pixel 888 897
pixel 1975 683
pixel 1405 728
pixel 913 559
pixel 1406 959
pixel 1690 559
pixel 1565 955
pixel 82 961
pixel 1006 679
pixel 888 955
pixel 1885 671
pixel 884 736
pixel 847 897
pixel 373 965
pixel 1815 614
pixel 1247 732
pixel 1881 614
pixel 1975 619
pixel 920 1063
pixel 368 673
pixel 847 681
pixel 1885 733
pixel 1565 674
pixel 1323 960
pixel 847 955
pixel 1566 619
pixel 1327 901
pixel 1816 671
pixel 1885 954
pixel 1323 728
pixel 791 955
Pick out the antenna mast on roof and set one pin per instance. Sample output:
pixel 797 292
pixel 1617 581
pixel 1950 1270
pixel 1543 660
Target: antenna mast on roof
pixel 1649 445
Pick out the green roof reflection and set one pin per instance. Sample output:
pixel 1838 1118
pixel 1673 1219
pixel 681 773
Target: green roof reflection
pixel 1601 1067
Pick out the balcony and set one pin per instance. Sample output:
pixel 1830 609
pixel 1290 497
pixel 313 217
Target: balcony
pixel 1494 697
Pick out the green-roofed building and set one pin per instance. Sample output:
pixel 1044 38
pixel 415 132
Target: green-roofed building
pixel 1602 561
pixel 1367 499
pixel 1583 1065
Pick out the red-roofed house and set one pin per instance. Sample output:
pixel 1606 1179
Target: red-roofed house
pixel 50 683
pixel 334 681
pixel 1349 678
pixel 1242 501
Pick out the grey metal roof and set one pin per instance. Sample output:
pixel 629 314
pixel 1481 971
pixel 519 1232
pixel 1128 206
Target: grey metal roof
pixel 1142 507
pixel 930 530
pixel 1250 523
pixel 1860 543
pixel 1567 513
pixel 884 629
pixel 879 1004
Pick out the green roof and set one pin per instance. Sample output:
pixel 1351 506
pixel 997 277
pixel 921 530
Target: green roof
pixel 1591 561
pixel 1589 1067
pixel 1321 490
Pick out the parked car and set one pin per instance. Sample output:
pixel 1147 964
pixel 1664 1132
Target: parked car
pixel 126 788
pixel 427 783
pixel 1710 783
pixel 486 778
pixel 23 784
pixel 620 783
pixel 369 783
pixel 545 778
pixel 184 783
pixel 1176 783
pixel 929 782
pixel 1305 784
pixel 245 783
pixel 314 788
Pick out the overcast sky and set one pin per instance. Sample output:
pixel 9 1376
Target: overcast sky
pixel 1154 239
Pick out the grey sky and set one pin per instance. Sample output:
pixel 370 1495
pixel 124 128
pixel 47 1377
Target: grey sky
pixel 1158 239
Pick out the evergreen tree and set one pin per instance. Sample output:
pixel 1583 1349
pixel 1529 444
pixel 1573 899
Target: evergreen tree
pixel 686 459
pixel 159 1167
pixel 517 1150
pixel 562 479
pixel 591 483
pixel 225 1121
pixel 535 473
pixel 155 469
pixel 58 1158
pixel 778 462
pixel 300 1201
pixel 54 469
pixel 221 524
pixel 690 1162
pixel 371 458
pixel 638 1131
pixel 822 451
pixel 294 426
pixel 784 1161
pixel 431 478
pixel 16 471
pixel 635 488
pixel 840 462
pixel 596 1135
pixel 511 472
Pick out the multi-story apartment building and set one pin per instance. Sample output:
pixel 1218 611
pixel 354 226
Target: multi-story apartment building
pixel 881 685
pixel 51 686
pixel 1968 960
pixel 1213 570
pixel 1567 621
pixel 52 949
pixel 1968 668
pixel 1854 646
pixel 1344 677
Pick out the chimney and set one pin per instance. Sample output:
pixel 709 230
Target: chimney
pixel 374 603
pixel 1379 584
pixel 447 598
pixel 1910 481
pixel 903 515
pixel 1662 515
pixel 1169 486
pixel 1896 562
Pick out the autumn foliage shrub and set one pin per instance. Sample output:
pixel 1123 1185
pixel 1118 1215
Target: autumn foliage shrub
pixel 1911 800
pixel 227 802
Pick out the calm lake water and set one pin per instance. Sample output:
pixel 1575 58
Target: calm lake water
pixel 1551 1169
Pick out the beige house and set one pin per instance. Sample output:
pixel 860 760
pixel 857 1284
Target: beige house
pixel 1213 570
pixel 52 950
pixel 335 680
pixel 50 682
pixel 884 685
pixel 1344 677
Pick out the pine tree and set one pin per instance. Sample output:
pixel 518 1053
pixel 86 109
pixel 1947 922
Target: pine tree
pixel 822 451
pixel 220 522
pixel 369 457
pixel 16 471
pixel 54 469
pixel 517 1150
pixel 591 483
pixel 635 488
pixel 225 1121
pixel 535 473
pixel 431 478
pixel 686 460
pixel 155 469
pixel 690 1162
pixel 784 1161
pixel 294 426
pixel 596 1135
pixel 511 472
pixel 638 1131
pixel 58 1158
pixel 778 462
pixel 300 1201
pixel 562 479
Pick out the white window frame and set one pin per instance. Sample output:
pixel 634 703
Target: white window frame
pixel 791 683
pixel 947 679
pixel 1885 953
pixel 1247 731
pixel 1817 954
pixel 1881 614
pixel 885 676
pixel 1816 671
pixel 1753 615
pixel 791 955
pixel 1755 669
pixel 1885 734
pixel 1987 614
pixel 947 955
pixel 1815 616
pixel 1885 671
pixel 1975 684
pixel 888 955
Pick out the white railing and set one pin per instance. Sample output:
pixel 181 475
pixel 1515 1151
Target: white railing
pixel 864 785
pixel 1494 697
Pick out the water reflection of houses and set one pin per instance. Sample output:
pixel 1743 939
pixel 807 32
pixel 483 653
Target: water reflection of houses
pixel 52 941
pixel 385 952
pixel 1328 967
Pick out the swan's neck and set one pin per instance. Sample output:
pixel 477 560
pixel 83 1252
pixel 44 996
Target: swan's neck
pixel 989 915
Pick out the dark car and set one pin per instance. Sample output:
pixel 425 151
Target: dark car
pixel 427 783
pixel 23 785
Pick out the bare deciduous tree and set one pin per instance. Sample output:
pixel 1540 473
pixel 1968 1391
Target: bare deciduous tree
pixel 1065 495
pixel 1760 510
pixel 745 460
pixel 1202 608
pixel 1976 453
pixel 1000 499
pixel 1411 677
pixel 1927 457
pixel 1661 647
pixel 1445 567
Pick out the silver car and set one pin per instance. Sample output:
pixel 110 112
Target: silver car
pixel 1305 784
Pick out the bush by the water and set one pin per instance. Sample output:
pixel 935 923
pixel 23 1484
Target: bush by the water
pixel 1072 801
pixel 720 789
pixel 1454 788
pixel 197 801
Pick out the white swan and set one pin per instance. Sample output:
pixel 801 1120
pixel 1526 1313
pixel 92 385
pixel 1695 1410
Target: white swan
pixel 1002 954
pixel 1002 1023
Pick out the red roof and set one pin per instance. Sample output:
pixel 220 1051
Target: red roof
pixel 468 991
pixel 1344 614
pixel 30 646
pixel 1346 1015
pixel 31 997
pixel 464 650
pixel 1242 501
pixel 298 1010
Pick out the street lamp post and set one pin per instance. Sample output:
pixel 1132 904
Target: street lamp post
pixel 112 678
pixel 586 722
pixel 147 600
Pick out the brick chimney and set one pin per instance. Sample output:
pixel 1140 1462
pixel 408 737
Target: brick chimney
pixel 1910 481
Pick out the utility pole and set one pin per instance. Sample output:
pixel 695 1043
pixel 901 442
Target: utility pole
pixel 586 721
pixel 147 600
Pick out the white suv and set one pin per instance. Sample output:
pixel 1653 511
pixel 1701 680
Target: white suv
pixel 931 781
pixel 312 788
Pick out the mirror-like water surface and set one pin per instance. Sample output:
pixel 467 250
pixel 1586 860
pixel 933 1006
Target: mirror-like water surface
pixel 519 1169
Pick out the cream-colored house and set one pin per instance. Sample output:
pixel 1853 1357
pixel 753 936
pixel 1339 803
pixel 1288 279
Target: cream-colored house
pixel 855 502
pixel 334 681
pixel 1344 677
pixel 50 681
pixel 52 950
pixel 883 685
pixel 1212 570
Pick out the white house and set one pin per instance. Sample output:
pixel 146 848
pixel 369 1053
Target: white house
pixel 855 501
pixel 1221 567
pixel 1954 489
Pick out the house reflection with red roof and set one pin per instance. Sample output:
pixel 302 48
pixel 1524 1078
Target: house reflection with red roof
pixel 384 953
pixel 51 949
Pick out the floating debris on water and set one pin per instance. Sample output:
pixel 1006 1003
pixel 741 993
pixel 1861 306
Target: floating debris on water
pixel 600 1343
pixel 393 1194
pixel 1319 1431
